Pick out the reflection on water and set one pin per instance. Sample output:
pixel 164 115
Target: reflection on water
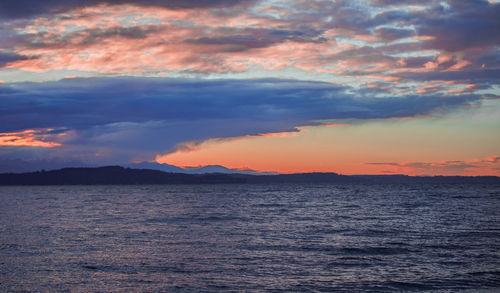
pixel 249 238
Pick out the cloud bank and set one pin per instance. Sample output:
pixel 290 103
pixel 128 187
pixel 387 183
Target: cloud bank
pixel 129 117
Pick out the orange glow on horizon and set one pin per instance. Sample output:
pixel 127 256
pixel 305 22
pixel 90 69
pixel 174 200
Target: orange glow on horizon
pixel 471 167
pixel 394 146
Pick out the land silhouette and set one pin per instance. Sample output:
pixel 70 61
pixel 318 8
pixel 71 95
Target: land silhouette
pixel 110 175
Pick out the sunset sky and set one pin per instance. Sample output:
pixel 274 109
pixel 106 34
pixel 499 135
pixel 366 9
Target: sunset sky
pixel 353 87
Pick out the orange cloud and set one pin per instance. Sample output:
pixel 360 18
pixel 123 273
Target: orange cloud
pixel 29 138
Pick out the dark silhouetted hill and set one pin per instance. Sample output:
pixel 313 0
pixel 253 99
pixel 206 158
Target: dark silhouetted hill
pixel 111 175
pixel 120 175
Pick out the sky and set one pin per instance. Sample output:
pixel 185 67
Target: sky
pixel 353 87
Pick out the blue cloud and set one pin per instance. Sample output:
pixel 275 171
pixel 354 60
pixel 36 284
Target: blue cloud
pixel 143 116
pixel 83 103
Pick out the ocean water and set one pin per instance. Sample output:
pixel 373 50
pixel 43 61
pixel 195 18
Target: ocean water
pixel 250 238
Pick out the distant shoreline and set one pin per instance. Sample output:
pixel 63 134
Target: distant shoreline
pixel 116 175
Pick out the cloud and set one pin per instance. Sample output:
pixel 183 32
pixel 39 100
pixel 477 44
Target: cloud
pixel 6 58
pixel 247 39
pixel 485 76
pixel 402 2
pixel 30 138
pixel 458 167
pixel 143 116
pixel 28 8
pixel 391 34
pixel 471 24
pixel 379 40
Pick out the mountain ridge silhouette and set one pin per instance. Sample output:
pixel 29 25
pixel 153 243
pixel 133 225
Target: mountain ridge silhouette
pixel 111 175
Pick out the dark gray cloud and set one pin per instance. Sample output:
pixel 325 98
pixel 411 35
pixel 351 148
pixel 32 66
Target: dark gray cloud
pixel 391 34
pixel 402 2
pixel 469 24
pixel 482 76
pixel 455 24
pixel 133 32
pixel 6 57
pixel 366 54
pixel 246 39
pixel 416 62
pixel 88 37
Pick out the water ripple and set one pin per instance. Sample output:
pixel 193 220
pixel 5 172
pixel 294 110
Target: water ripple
pixel 250 238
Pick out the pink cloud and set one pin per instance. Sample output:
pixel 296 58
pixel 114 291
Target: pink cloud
pixel 493 159
pixel 461 64
pixel 118 39
pixel 131 39
pixel 424 38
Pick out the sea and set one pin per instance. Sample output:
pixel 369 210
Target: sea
pixel 250 238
